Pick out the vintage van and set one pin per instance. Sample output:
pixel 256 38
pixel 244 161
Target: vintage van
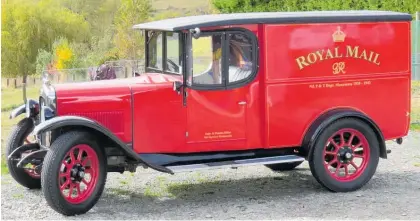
pixel 227 90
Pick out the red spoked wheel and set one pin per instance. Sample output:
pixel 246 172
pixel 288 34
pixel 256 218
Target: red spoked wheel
pixel 74 173
pixel 79 173
pixel 345 155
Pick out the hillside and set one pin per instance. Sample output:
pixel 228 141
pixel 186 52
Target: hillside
pixel 182 7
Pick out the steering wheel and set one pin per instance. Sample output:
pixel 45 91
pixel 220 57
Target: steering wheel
pixel 172 66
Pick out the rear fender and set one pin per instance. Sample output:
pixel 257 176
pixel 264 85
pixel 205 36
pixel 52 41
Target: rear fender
pixel 75 121
pixel 327 118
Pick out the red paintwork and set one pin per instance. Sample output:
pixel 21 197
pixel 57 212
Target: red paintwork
pixel 159 116
pixel 281 102
pixel 292 105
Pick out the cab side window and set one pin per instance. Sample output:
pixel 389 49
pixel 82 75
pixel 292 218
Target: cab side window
pixel 207 57
pixel 240 57
pixel 222 60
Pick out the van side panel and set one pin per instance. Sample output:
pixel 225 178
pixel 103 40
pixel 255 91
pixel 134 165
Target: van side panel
pixel 313 68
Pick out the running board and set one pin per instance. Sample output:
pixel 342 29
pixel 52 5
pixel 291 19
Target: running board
pixel 237 163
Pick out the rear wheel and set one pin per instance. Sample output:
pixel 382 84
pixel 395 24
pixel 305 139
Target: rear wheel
pixel 74 173
pixel 27 177
pixel 345 156
pixel 283 166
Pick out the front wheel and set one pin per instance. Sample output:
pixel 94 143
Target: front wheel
pixel 27 177
pixel 74 173
pixel 345 155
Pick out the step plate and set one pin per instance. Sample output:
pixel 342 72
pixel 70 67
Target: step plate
pixel 237 163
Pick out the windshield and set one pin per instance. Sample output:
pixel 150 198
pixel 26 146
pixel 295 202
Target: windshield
pixel 163 52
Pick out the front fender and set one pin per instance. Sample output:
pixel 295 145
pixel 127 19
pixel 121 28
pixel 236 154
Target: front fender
pixel 17 111
pixel 63 121
pixel 30 108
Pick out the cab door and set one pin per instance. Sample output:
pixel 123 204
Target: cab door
pixel 217 96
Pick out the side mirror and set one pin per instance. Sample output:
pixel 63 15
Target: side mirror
pixel 177 86
pixel 195 32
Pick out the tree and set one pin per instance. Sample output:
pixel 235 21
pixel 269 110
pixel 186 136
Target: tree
pixel 43 61
pixel 126 40
pixel 63 54
pixel 28 27
pixel 98 13
pixel 230 6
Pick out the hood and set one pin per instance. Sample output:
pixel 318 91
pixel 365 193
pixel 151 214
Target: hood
pixel 145 81
pixel 106 95
pixel 108 102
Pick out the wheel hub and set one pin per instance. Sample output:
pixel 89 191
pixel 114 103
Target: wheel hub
pixel 77 173
pixel 345 154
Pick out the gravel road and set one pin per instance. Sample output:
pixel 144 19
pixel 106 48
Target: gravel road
pixel 252 192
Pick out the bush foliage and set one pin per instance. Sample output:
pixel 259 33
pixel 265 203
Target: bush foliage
pixel 230 6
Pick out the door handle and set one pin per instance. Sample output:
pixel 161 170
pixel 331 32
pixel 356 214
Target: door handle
pixel 242 102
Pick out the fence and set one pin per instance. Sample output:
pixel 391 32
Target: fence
pixel 130 66
pixel 17 82
pixel 122 68
pixel 80 74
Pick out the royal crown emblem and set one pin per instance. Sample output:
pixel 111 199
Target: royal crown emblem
pixel 339 35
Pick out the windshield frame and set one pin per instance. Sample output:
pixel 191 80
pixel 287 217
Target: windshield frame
pixel 181 60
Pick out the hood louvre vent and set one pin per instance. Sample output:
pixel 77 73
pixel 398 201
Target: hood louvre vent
pixel 113 120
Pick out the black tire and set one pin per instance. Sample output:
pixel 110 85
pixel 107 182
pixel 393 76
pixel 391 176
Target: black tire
pixel 16 139
pixel 317 159
pixel 284 166
pixel 51 169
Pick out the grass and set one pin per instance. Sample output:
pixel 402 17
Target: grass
pixel 13 97
pixel 4 182
pixel 415 106
pixel 17 196
pixel 124 182
pixel 415 126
